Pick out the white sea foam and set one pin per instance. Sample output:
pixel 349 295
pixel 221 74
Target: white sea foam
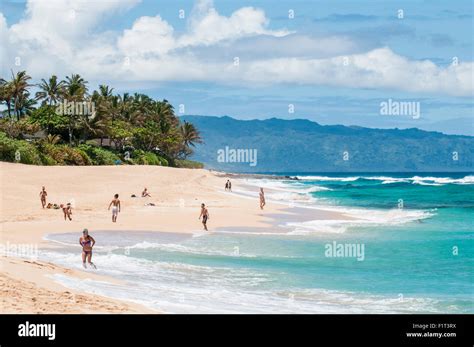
pixel 360 217
pixel 183 288
pixel 327 178
pixel 428 180
pixel 355 216
pixel 180 248
pixel 173 295
pixel 444 180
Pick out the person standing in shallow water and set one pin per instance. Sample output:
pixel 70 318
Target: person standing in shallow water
pixel 205 216
pixel 87 242
pixel 262 198
pixel 115 203
pixel 43 194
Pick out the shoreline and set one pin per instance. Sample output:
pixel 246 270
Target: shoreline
pixel 176 193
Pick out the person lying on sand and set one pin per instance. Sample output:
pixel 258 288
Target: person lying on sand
pixel 67 210
pixel 145 193
pixel 205 216
pixel 262 198
pixel 115 203
pixel 43 194
pixel 87 242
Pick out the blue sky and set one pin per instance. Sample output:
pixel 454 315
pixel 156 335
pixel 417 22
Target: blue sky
pixel 335 61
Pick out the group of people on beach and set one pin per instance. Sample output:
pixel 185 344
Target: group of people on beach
pixel 228 188
pixel 66 208
pixel 87 242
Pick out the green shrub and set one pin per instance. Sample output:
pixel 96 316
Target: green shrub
pixel 188 164
pixel 163 161
pixel 65 155
pixel 28 153
pixel 47 160
pixel 141 157
pixel 100 156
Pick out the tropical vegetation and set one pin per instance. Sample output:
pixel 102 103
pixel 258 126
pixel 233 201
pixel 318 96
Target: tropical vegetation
pixel 66 123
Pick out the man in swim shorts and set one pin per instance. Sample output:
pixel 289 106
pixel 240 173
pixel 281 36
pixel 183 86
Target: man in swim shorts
pixel 262 198
pixel 115 203
pixel 205 216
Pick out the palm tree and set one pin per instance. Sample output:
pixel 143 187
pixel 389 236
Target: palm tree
pixel 103 99
pixel 6 95
pixel 75 90
pixel 105 91
pixel 190 136
pixel 50 91
pixel 25 104
pixel 19 86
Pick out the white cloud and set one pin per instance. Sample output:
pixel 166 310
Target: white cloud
pixel 378 68
pixel 147 35
pixel 59 37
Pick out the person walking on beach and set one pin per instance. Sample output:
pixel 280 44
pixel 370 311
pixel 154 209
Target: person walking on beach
pixel 87 242
pixel 43 194
pixel 115 203
pixel 262 198
pixel 230 185
pixel 205 216
pixel 227 185
pixel 145 193
pixel 67 210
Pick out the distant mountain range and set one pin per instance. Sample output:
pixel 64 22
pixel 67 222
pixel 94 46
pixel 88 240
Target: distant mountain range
pixel 276 145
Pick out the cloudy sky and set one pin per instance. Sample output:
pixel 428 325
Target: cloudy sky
pixel 333 61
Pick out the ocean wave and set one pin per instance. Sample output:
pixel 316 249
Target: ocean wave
pixel 428 180
pixel 209 297
pixel 173 247
pixel 444 180
pixel 179 287
pixel 358 218
pixel 287 186
pixel 327 178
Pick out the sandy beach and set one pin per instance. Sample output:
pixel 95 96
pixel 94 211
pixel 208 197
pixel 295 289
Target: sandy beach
pixel 176 193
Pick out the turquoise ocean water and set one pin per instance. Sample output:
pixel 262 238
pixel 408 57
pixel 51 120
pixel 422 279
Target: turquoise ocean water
pixel 416 231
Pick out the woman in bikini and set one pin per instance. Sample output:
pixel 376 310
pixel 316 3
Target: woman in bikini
pixel 87 242
pixel 43 194
pixel 67 210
